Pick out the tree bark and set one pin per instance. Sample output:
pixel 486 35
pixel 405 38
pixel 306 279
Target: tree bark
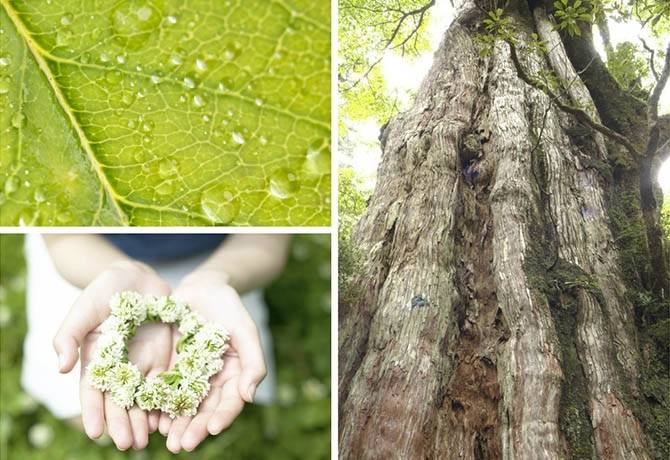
pixel 494 319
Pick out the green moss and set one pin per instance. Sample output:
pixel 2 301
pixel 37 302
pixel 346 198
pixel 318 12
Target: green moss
pixel 652 314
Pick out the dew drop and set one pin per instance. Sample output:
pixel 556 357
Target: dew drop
pixel 283 183
pixel 263 140
pixel 12 185
pixel 66 19
pixel 134 21
pixel 189 83
pixel 198 101
pixel 165 188
pixel 220 205
pixel 147 139
pixel 127 99
pixel 38 196
pixel 18 120
pixel 105 57
pixel 167 168
pixel 221 87
pixel 176 59
pixel 259 102
pixel 231 51
pixel 155 79
pixel 200 65
pixel 63 37
pixel 238 138
pixel 147 126
pixel 171 19
pixel 5 61
pixel 4 85
pixel 64 217
pixel 131 124
pixel 317 158
pixel 121 59
pixel 113 76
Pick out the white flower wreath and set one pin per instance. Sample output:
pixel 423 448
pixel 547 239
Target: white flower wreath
pixel 178 391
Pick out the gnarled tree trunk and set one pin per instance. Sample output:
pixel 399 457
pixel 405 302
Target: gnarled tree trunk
pixel 494 318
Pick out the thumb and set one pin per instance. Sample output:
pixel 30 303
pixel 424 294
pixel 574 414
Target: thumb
pixel 248 347
pixel 83 317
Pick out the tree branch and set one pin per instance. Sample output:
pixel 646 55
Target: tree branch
pixel 652 108
pixel 578 113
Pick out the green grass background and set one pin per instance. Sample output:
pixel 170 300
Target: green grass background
pixel 298 426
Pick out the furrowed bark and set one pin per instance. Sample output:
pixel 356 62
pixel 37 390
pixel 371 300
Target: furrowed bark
pixel 495 320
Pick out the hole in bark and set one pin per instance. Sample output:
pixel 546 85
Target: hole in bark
pixel 456 406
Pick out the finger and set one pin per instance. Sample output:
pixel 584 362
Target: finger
pixel 152 419
pixel 118 424
pixel 229 407
pixel 92 409
pixel 196 431
pixel 91 399
pixel 164 424
pixel 248 346
pixel 176 430
pixel 83 317
pixel 139 425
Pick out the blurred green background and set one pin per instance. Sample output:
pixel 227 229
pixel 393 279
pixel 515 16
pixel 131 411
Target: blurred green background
pixel 298 426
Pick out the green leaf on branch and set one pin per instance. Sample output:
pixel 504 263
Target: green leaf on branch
pixel 159 112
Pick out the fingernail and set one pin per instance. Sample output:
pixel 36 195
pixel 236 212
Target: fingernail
pixel 251 392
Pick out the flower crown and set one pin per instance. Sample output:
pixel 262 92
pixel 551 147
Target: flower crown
pixel 178 391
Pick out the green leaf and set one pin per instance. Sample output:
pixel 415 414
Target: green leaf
pixel 152 112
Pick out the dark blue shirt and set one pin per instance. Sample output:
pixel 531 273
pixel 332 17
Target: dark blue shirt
pixel 163 247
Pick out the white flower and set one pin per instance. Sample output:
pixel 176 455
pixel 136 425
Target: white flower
pixel 128 306
pixel 152 394
pixel 182 402
pixel 123 383
pixel 190 322
pixel 152 305
pixel 115 325
pixel 99 374
pixel 211 337
pixel 170 309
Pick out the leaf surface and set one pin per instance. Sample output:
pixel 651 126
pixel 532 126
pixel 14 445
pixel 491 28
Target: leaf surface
pixel 149 112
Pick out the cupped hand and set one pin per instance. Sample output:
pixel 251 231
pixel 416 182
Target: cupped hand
pixel 244 365
pixel 150 350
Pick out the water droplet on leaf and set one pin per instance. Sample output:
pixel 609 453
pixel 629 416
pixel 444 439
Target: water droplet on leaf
pixel 167 168
pixel 12 185
pixel 4 85
pixel 189 83
pixel 317 158
pixel 238 138
pixel 220 205
pixel 18 120
pixel 200 65
pixel 134 21
pixel 283 183
pixel 198 101
pixel 66 19
pixel 39 196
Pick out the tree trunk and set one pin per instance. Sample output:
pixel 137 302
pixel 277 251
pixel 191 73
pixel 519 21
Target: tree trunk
pixel 493 320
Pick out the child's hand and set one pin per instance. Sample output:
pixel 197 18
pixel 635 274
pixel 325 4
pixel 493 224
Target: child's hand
pixel 150 350
pixel 244 365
